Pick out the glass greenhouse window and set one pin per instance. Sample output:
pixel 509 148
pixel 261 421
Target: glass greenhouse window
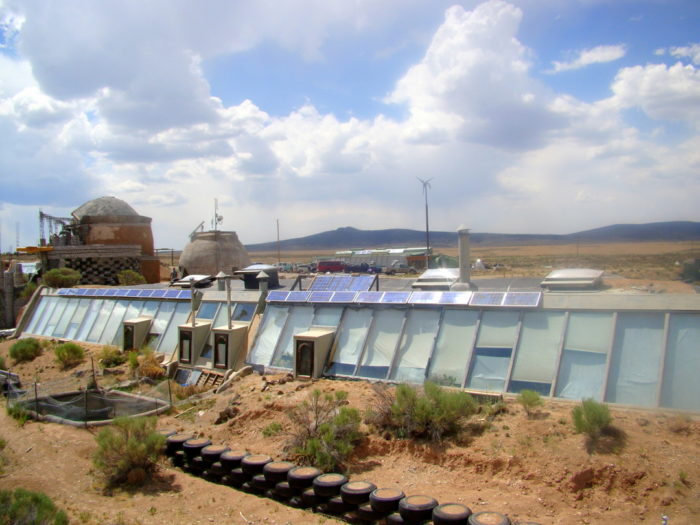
pixel 417 344
pixel 114 324
pixel 46 315
pixel 585 355
pixel 327 316
pixel 55 316
pixel 265 342
pixel 89 320
pixel 244 311
pixel 77 319
pixel 299 320
pixel 350 341
pixel 381 343
pixel 207 310
pixel 132 312
pixel 66 317
pixel 636 359
pixel 150 308
pixel 536 356
pixel 220 318
pixel 681 388
pixel 101 321
pixel 494 347
pixel 37 315
pixel 168 343
pixel 161 321
pixel 453 347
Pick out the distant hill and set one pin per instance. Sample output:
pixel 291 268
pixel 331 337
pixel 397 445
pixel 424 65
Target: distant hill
pixel 349 238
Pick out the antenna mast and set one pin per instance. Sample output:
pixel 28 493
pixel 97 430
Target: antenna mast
pixel 426 185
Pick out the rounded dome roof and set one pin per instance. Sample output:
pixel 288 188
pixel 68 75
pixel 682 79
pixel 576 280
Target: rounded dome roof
pixel 104 206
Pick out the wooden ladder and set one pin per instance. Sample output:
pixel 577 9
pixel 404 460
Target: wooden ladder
pixel 210 379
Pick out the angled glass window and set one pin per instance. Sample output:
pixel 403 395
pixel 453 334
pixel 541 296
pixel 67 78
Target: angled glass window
pixel 494 347
pixel 244 311
pixel 585 354
pixel 55 317
pixel 536 356
pixel 89 320
pixel 453 347
pixel 168 342
pixel 681 387
pixel 51 303
pixel 66 316
pixel 37 315
pixel 416 346
pixel 327 316
pixel 220 318
pixel 132 312
pixel 381 343
pixel 636 359
pixel 77 319
pixel 299 320
pixel 114 323
pixel 207 310
pixel 150 308
pixel 265 342
pixel 161 321
pixel 352 333
pixel 100 321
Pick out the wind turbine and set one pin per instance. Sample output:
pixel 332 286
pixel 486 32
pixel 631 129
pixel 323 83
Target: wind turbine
pixel 426 185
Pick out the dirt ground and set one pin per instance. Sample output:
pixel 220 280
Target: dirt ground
pixel 529 468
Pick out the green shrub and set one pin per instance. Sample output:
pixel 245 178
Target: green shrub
pixel 530 400
pixel 591 418
pixel 433 414
pixel 25 350
pixel 111 356
pixel 130 278
pixel 61 278
pixel 69 355
pixel 324 432
pixel 272 429
pixel 18 413
pixel 133 358
pixel 128 451
pixel 31 508
pixel 28 290
pixel 3 366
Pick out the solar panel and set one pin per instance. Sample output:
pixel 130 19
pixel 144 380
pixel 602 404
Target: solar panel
pixel 277 295
pixel 531 299
pixel 487 298
pixel 455 298
pixel 369 297
pixel 185 294
pixel 426 297
pixel 320 283
pixel 133 293
pixel 121 292
pixel 99 292
pixel 172 294
pixel 110 293
pixel 297 297
pixel 395 297
pixel 362 283
pixel 320 297
pixel 64 291
pixel 145 293
pixel 343 297
pixel 340 283
pixel 158 293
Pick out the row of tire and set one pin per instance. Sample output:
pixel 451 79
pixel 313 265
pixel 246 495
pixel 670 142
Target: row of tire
pixel 306 487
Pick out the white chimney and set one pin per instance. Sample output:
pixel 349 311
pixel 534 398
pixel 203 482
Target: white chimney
pixel 464 264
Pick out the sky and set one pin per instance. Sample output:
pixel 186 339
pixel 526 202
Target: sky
pixel 527 116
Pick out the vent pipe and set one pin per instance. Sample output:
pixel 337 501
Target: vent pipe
pixel 463 245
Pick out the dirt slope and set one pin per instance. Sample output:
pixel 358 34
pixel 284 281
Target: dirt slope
pixel 532 469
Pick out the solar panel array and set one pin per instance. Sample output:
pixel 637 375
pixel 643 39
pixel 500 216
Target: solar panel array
pixel 335 283
pixel 141 293
pixel 477 299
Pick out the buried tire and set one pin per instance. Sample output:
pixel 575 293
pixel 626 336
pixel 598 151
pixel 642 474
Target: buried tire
pixel 488 517
pixel 386 500
pixel 301 478
pixel 328 485
pixel 357 492
pixel 451 514
pixel 417 508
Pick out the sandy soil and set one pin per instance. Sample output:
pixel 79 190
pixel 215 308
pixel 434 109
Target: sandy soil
pixel 529 468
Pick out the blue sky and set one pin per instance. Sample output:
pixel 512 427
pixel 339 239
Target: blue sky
pixel 531 116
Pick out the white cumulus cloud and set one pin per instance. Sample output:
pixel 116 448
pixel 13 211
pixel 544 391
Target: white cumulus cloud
pixel 586 57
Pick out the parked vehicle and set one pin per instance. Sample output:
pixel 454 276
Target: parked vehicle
pixel 330 266
pixel 397 268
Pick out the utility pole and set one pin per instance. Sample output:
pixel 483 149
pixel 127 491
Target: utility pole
pixel 278 243
pixel 426 185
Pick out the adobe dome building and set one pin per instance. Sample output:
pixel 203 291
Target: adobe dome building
pixel 105 236
pixel 213 251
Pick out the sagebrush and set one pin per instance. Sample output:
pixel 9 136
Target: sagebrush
pixel 61 278
pixel 69 355
pixel 324 431
pixel 130 278
pixel 431 413
pixel 530 400
pixel 111 356
pixel 24 507
pixel 591 417
pixel 128 451
pixel 25 350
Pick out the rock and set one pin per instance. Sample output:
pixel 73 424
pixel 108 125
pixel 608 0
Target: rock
pixel 227 413
pixel 581 480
